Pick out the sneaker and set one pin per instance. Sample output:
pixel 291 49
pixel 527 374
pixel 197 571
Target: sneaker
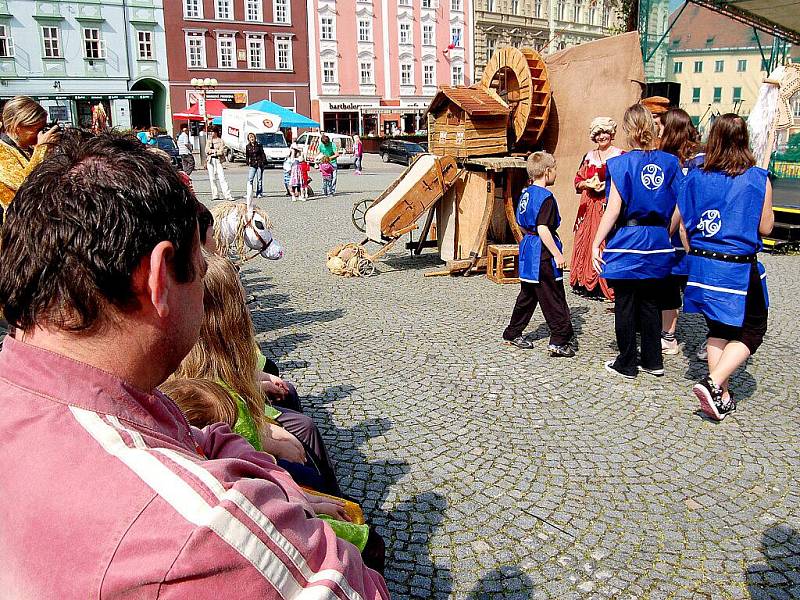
pixel 711 402
pixel 654 372
pixel 565 350
pixel 702 352
pixel 574 343
pixel 609 366
pixel 520 342
pixel 670 348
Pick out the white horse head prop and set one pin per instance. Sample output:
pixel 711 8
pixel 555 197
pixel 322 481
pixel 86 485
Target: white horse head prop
pixel 246 230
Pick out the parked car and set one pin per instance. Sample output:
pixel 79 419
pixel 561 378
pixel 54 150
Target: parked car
pixel 399 151
pixel 309 143
pixel 167 144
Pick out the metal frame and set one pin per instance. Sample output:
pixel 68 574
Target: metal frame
pixel 729 9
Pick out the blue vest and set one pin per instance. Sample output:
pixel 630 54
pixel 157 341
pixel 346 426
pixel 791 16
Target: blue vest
pixel 648 184
pixel 681 266
pixel 530 248
pixel 721 214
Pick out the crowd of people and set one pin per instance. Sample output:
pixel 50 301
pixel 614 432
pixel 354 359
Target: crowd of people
pixel 137 397
pixel 668 223
pixel 155 446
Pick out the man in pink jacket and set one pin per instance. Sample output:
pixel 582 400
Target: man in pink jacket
pixel 106 491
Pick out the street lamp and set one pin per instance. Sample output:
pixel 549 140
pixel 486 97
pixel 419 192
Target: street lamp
pixel 202 86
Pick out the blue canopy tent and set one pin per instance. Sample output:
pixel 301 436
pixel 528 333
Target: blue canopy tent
pixel 289 118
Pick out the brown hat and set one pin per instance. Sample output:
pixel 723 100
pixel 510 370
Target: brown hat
pixel 657 105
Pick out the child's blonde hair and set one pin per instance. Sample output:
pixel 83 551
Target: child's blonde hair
pixel 202 401
pixel 538 163
pixel 226 349
pixel 325 159
pixel 640 127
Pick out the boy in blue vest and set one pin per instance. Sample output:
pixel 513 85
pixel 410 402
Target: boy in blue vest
pixel 540 262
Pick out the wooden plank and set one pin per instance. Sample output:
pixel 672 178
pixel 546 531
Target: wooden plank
pixel 470 205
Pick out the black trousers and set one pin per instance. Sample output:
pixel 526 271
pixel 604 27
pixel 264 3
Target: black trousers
pixel 548 293
pixel 637 306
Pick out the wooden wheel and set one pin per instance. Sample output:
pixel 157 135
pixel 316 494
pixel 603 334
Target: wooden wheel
pixel 359 216
pixel 519 77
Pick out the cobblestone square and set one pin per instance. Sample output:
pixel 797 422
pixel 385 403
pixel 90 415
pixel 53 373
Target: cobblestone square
pixel 494 472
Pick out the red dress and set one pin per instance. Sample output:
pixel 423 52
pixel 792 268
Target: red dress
pixel 590 211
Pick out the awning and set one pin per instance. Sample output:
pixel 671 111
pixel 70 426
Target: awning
pixel 393 110
pixel 781 19
pixel 143 95
pixel 289 118
pixel 214 108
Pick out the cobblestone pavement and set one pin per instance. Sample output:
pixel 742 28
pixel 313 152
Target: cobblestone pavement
pixel 501 473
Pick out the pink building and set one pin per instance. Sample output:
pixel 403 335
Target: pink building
pixel 375 64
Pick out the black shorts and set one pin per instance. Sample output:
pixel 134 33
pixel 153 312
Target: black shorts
pixel 672 292
pixel 295 188
pixel 752 331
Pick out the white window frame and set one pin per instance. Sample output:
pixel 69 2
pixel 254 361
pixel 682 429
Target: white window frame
pixel 404 28
pixel 329 65
pixel 561 10
pixel 456 70
pixel 741 65
pixel 219 5
pixel 489 5
pixel 144 44
pixel 514 7
pixel 55 42
pixel 229 40
pixel 406 69
pixel 201 47
pixel 364 30
pixel 193 9
pixel 284 43
pixel 256 42
pixel 577 11
pixel 365 67
pixel 428 40
pixel 5 38
pixel 428 69
pixel 94 46
pixel 254 11
pixel 327 24
pixel 719 66
pixel 591 14
pixel 491 46
pixel 456 6
pixel 537 9
pixel 404 2
pixel 426 3
pixel 457 36
pixel 282 11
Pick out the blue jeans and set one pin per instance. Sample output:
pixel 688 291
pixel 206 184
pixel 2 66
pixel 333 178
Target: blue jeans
pixel 335 174
pixel 358 163
pixel 256 173
pixel 327 185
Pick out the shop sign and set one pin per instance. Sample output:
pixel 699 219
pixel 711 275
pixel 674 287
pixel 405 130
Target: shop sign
pixel 58 113
pixel 348 106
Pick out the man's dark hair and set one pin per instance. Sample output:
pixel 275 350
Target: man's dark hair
pixel 81 223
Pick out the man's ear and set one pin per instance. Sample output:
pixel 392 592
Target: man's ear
pixel 160 279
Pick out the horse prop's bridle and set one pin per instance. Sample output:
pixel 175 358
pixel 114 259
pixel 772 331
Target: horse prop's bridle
pixel 264 243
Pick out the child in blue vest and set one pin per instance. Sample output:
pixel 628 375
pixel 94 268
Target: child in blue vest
pixel 540 262
pixel 726 206
pixel 642 192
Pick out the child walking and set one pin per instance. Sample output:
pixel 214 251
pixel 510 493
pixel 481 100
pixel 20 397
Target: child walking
pixel 726 206
pixel 541 262
pixel 305 179
pixel 326 170
pixel 642 192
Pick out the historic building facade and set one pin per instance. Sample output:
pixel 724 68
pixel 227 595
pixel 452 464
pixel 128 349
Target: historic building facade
pixel 376 64
pixel 547 25
pixel 255 49
pixel 82 57
pixel 718 63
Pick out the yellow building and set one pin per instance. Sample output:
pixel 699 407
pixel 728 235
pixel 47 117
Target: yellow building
pixel 718 62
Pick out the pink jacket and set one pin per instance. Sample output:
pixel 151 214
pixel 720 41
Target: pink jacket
pixel 106 492
pixel 326 169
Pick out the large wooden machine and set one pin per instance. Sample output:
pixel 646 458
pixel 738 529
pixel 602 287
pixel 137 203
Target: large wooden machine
pixel 479 137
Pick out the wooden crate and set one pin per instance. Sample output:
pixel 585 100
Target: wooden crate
pixel 502 263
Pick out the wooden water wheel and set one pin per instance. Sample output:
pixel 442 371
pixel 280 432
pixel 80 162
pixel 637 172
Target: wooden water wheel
pixel 519 76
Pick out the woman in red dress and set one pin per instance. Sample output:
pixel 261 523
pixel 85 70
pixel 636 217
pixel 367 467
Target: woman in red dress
pixel 590 183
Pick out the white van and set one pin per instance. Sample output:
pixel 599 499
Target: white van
pixel 238 123
pixel 309 144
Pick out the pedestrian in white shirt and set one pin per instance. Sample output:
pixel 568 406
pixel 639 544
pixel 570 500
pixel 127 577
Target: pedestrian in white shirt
pixel 185 150
pixel 215 155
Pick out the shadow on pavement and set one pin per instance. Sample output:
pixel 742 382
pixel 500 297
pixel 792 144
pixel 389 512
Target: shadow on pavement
pixel 509 583
pixel 410 526
pixel 778 576
pixel 543 331
pixel 274 318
